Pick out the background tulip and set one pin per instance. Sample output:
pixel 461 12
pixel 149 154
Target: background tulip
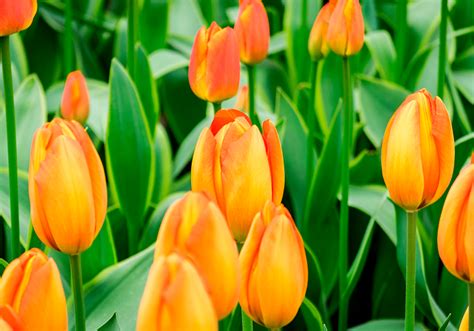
pixel 175 298
pixel 31 293
pixel 253 31
pixel 318 46
pixel 273 267
pixel 418 151
pixel 195 228
pixel 75 101
pixel 464 326
pixel 345 33
pixel 214 67
pixel 16 15
pixel 238 167
pixel 66 186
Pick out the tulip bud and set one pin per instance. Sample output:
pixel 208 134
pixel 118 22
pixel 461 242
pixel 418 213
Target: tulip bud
pixel 67 188
pixel 214 67
pixel 253 31
pixel 238 167
pixel 242 102
pixel 418 151
pixel 273 268
pixel 75 101
pixel 195 228
pixel 345 33
pixel 175 298
pixel 464 326
pixel 32 295
pixel 318 46
pixel 16 15
pixel 456 227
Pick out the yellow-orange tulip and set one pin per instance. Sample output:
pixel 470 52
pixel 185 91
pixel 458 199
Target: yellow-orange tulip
pixel 238 167
pixel 175 298
pixel 16 15
pixel 273 268
pixel 67 187
pixel 345 33
pixel 214 67
pixel 253 31
pixel 75 101
pixel 195 228
pixel 32 295
pixel 418 151
pixel 456 227
pixel 464 326
pixel 318 46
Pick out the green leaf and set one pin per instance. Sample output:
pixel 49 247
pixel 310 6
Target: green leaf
pixel 165 61
pixel 464 147
pixel 311 315
pixel 163 165
pixel 18 56
pixel 120 41
pixel 366 168
pixel 277 43
pixel 185 18
pixel 445 324
pixel 385 325
pixel 153 24
pixel 383 53
pixel 110 325
pixel 129 148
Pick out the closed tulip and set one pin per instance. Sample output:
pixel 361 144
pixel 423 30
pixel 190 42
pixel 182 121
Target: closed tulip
pixel 318 46
pixel 238 167
pixel 253 31
pixel 214 67
pixel 456 227
pixel 175 298
pixel 418 151
pixel 195 228
pixel 273 268
pixel 75 101
pixel 67 187
pixel 32 295
pixel 16 15
pixel 345 33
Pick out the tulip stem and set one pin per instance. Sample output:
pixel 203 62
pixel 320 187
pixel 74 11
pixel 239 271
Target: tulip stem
pixel 247 324
pixel 410 272
pixel 471 306
pixel 76 274
pixel 442 47
pixel 311 119
pixel 251 84
pixel 400 37
pixel 68 43
pixel 217 106
pixel 11 138
pixel 132 36
pixel 344 221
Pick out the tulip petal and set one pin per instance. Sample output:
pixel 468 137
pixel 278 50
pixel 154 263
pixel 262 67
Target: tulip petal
pixel 275 159
pixel 226 116
pixel 9 283
pixel 198 64
pixel 468 213
pixel 9 320
pixel 202 167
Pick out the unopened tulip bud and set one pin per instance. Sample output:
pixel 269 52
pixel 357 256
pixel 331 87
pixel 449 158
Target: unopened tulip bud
pixel 16 15
pixel 318 46
pixel 273 268
pixel 75 101
pixel 214 67
pixel 67 188
pixel 238 167
pixel 418 152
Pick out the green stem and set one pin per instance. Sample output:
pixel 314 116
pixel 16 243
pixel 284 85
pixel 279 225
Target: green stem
pixel 247 324
pixel 217 106
pixel 11 139
pixel 311 119
pixel 251 84
pixel 400 38
pixel 344 222
pixel 132 36
pixel 471 306
pixel 76 274
pixel 410 272
pixel 68 42
pixel 442 47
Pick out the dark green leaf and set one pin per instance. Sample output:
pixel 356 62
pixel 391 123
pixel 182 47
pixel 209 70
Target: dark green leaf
pixel 163 165
pixel 153 24
pixel 311 315
pixel 385 325
pixel 110 325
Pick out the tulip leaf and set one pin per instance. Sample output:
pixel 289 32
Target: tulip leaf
pixel 185 18
pixel 311 315
pixel 464 147
pixel 111 324
pixel 386 325
pixel 451 287
pixel 164 61
pixel 383 53
pixel 163 165
pixel 153 24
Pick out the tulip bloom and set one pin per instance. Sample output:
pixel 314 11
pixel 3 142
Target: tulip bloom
pixel 214 67
pixel 32 295
pixel 195 228
pixel 345 33
pixel 175 298
pixel 456 227
pixel 67 187
pixel 273 267
pixel 418 151
pixel 16 15
pixel 318 46
pixel 253 31
pixel 75 101
pixel 238 167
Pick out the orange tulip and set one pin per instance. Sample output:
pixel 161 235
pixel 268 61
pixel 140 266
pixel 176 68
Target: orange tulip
pixel 16 15
pixel 32 295
pixel 175 298
pixel 242 102
pixel 75 101
pixel 195 228
pixel 67 187
pixel 456 227
pixel 345 33
pixel 273 267
pixel 238 167
pixel 418 151
pixel 214 67
pixel 253 31
pixel 318 46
